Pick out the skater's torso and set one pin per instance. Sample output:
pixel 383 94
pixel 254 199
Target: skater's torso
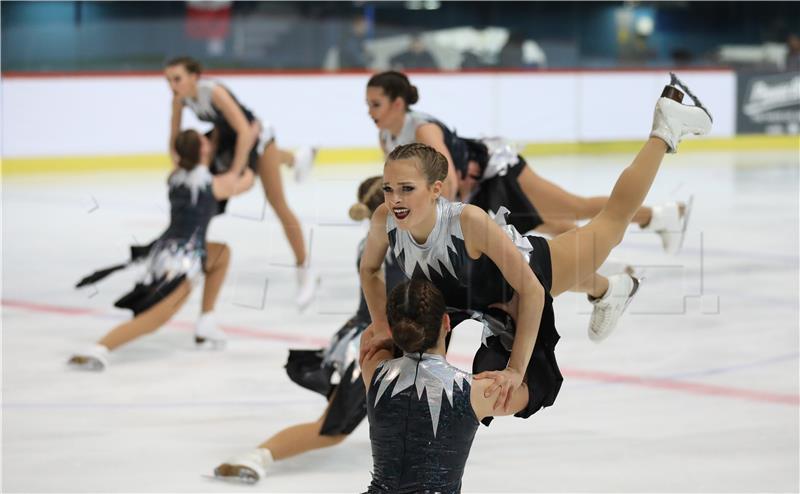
pixel 204 108
pixel 421 425
pixel 456 146
pixel 466 283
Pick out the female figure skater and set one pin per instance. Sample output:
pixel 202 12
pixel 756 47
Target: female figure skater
pixel 213 102
pixel 489 173
pixel 333 372
pixel 179 254
pixel 422 444
pixel 477 264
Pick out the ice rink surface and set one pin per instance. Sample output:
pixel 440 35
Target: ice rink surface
pixel 696 391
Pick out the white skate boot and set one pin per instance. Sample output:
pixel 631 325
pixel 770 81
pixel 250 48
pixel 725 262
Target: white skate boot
pixel 609 307
pixel 207 334
pixel 247 468
pixel 670 224
pixel 307 281
pixel 673 120
pixel 94 359
pixel 303 162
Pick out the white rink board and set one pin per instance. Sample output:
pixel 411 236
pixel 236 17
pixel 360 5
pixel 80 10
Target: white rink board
pixel 66 116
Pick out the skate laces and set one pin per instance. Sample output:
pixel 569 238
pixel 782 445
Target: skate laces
pixel 674 81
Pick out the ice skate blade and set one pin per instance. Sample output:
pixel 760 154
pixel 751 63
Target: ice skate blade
pixel 207 344
pixel 676 83
pixel 232 480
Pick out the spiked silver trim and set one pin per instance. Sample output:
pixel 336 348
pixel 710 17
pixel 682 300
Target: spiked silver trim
pixel 172 258
pixel 502 155
pixel 522 243
pixel 433 375
pixel 341 354
pixel 196 180
pixel 435 252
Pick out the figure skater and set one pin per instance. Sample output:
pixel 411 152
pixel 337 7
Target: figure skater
pixel 176 257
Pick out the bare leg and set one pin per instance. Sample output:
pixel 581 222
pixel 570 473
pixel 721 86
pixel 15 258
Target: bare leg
pixel 289 442
pixel 595 286
pixel 217 261
pixel 577 254
pixel 300 438
pixel 268 170
pixel 557 205
pixel 149 320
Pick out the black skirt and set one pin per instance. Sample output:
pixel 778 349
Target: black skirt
pixel 144 297
pixel 543 376
pixel 224 157
pixel 347 394
pixel 499 191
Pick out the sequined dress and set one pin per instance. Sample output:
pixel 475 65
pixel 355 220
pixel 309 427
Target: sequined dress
pixel 500 166
pixel 421 425
pixel 205 110
pixel 177 254
pixel 475 284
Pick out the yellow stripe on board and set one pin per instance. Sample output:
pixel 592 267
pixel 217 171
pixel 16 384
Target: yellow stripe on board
pixel 738 143
pixel 339 156
pixel 83 164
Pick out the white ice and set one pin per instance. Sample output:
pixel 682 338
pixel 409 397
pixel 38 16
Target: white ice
pixel 696 391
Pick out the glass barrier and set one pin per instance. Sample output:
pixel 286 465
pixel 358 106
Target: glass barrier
pixel 410 35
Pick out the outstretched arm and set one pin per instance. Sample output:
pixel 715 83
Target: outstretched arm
pixel 484 236
pixel 372 281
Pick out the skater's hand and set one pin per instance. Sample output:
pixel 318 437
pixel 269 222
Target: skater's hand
pixel 375 339
pixel 506 381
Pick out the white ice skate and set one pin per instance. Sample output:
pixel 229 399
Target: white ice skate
pixel 247 468
pixel 669 224
pixel 673 120
pixel 610 307
pixel 94 359
pixel 303 162
pixel 307 281
pixel 207 334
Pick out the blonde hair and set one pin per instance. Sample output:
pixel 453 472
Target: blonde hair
pixel 370 196
pixel 433 163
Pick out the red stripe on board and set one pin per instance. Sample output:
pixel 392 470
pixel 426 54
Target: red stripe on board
pixel 365 73
pixel 599 376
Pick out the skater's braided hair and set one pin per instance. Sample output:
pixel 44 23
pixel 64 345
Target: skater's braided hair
pixel 395 85
pixel 415 310
pixel 432 162
pixel 187 145
pixel 370 196
pixel 191 65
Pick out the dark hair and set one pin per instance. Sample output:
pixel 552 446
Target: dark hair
pixel 432 162
pixel 415 310
pixel 187 145
pixel 370 196
pixel 395 85
pixel 191 65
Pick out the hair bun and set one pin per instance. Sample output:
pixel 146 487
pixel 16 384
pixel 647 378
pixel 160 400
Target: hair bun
pixel 413 95
pixel 359 211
